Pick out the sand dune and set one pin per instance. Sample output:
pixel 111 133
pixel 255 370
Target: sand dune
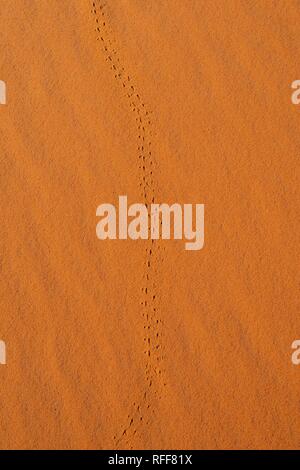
pixel 134 344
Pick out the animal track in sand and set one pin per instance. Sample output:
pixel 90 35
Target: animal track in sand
pixel 143 410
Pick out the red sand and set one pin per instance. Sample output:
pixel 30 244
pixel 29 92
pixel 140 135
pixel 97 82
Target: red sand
pixel 110 345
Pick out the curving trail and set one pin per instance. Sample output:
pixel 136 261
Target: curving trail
pixel 143 409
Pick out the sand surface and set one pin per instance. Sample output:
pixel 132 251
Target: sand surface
pixel 129 344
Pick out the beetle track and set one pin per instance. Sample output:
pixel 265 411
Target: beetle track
pixel 142 411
